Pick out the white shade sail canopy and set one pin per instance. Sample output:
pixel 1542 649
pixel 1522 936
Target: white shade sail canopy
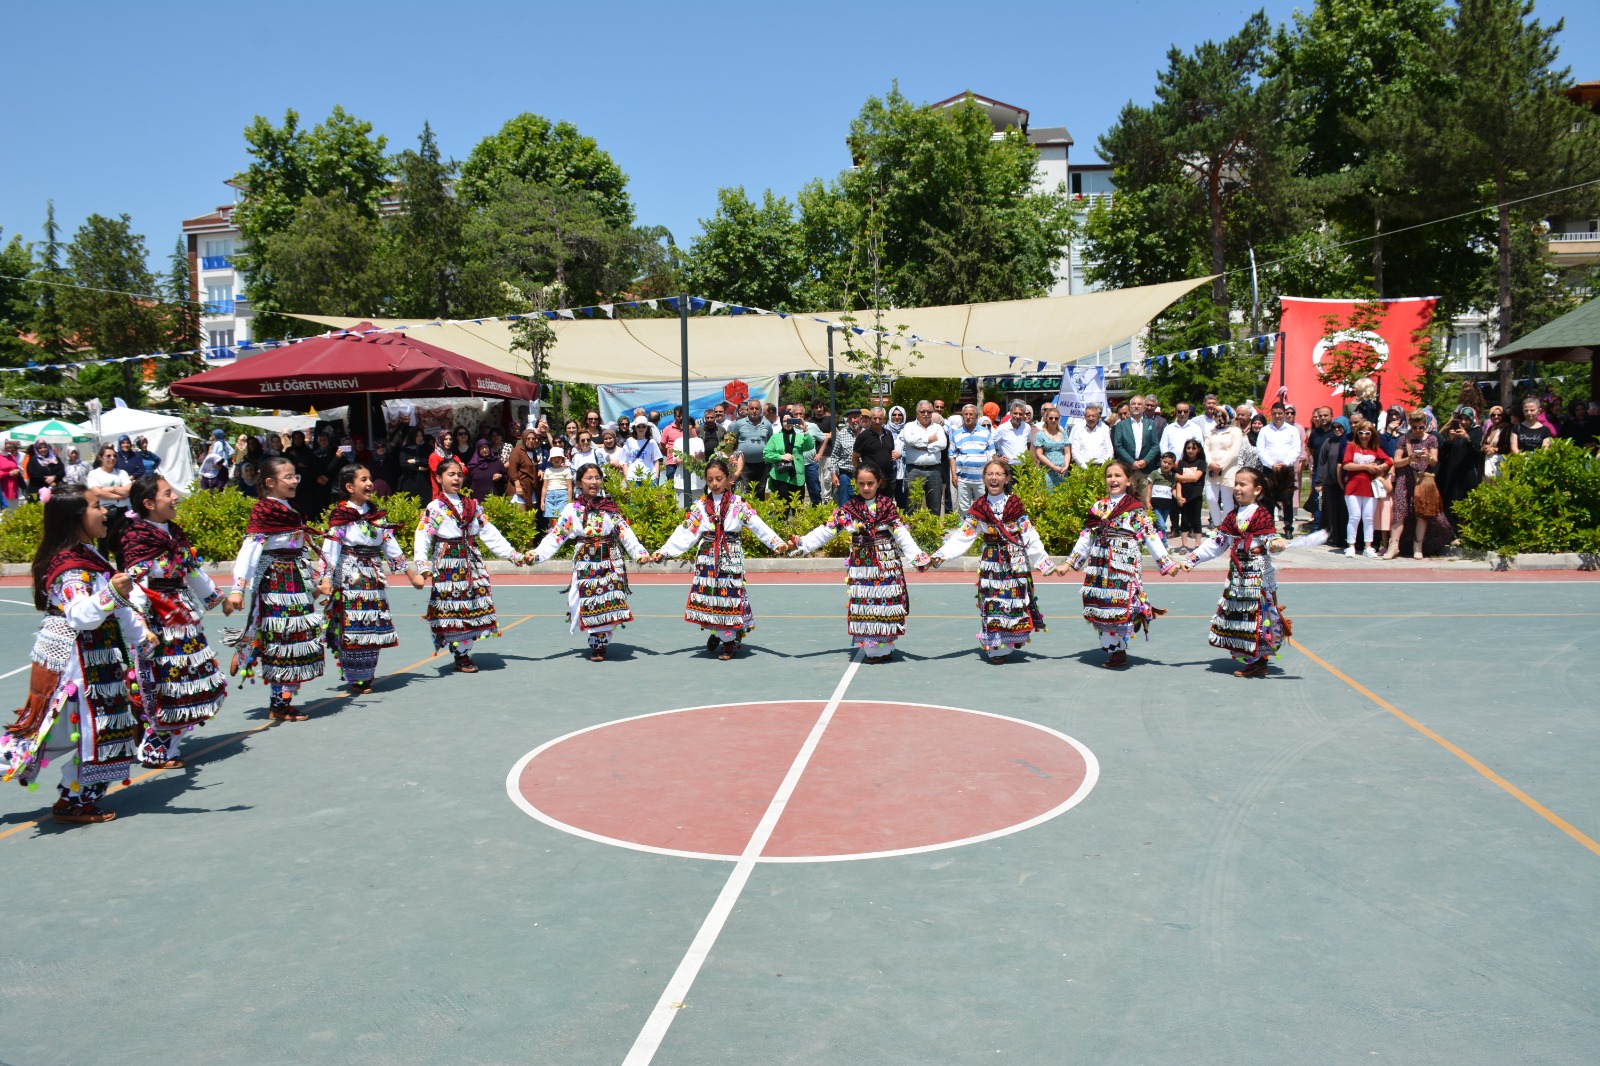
pixel 601 351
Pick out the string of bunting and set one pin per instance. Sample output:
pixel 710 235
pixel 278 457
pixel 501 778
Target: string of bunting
pixel 1261 342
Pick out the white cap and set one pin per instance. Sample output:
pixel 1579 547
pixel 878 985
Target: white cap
pixel 557 453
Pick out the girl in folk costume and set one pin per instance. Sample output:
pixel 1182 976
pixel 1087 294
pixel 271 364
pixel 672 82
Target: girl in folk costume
pixel 357 545
pixel 180 684
pixel 78 710
pixel 875 613
pixel 717 598
pixel 461 608
pixel 1249 624
pixel 597 599
pixel 282 636
pixel 1108 549
pixel 1008 609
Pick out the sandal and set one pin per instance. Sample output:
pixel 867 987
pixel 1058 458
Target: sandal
pixel 726 651
pixel 1115 660
pixel 1258 668
pixel 464 665
pixel 164 764
pixel 85 815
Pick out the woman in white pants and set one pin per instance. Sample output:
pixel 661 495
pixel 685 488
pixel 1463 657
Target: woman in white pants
pixel 1224 449
pixel 1364 459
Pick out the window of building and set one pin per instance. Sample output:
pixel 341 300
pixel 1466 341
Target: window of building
pixel 220 338
pixel 1466 351
pixel 218 248
pixel 219 293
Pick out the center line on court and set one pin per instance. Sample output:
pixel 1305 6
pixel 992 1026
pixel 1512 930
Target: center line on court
pixel 672 998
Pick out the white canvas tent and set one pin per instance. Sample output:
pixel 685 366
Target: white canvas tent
pixel 603 351
pixel 168 436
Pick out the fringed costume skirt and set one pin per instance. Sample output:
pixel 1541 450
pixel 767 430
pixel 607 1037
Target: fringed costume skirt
pixel 107 730
pixel 717 598
pixel 180 684
pixel 1249 624
pixel 878 602
pixel 461 607
pixel 597 599
pixel 359 618
pixel 1007 606
pixel 285 638
pixel 1113 593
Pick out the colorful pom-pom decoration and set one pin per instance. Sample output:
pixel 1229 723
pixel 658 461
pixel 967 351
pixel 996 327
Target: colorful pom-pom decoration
pixel 71 690
pixel 74 718
pixel 77 737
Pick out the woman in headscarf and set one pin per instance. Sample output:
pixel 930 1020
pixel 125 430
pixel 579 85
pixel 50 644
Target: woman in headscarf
pixel 11 483
pixel 522 472
pixel 443 448
pixel 1223 447
pixel 1330 462
pixel 77 470
pixel 214 467
pixel 894 424
pixel 413 464
pixel 486 473
pixel 128 460
pixel 45 469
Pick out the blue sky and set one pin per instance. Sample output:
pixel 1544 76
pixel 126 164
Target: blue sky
pixel 139 108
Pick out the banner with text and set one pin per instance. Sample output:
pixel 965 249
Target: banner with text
pixel 663 396
pixel 1081 386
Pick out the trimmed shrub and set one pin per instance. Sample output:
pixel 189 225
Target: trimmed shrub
pixel 1543 501
pixel 215 521
pixel 20 529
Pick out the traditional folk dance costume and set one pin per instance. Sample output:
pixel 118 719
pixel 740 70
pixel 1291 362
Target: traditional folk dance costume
pixel 878 604
pixel 282 638
pixel 78 710
pixel 597 599
pixel 180 684
pixel 1249 623
pixel 717 597
pixel 1108 552
pixel 360 624
pixel 1008 608
pixel 461 604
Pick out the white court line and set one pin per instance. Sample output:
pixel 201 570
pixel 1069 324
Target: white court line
pixel 671 1002
pixel 19 603
pixel 15 672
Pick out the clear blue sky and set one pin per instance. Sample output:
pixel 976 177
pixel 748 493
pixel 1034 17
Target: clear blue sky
pixel 140 108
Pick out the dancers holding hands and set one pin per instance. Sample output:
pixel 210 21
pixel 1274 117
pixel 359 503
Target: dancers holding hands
pixel 461 605
pixel 597 598
pixel 878 603
pixel 718 601
pixel 1008 607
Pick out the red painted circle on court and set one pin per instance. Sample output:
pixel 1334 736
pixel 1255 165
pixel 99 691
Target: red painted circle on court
pixel 884 778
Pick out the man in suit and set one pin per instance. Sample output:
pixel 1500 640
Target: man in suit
pixel 1135 440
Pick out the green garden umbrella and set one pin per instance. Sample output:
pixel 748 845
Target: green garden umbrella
pixel 51 431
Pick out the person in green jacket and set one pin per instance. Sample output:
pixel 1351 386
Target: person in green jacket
pixel 786 453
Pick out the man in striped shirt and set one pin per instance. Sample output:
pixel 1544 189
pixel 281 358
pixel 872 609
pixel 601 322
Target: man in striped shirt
pixel 970 447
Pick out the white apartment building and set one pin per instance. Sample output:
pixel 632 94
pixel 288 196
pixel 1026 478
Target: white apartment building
pixel 212 241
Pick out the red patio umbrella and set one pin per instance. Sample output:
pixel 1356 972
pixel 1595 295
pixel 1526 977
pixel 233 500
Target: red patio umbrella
pixel 331 370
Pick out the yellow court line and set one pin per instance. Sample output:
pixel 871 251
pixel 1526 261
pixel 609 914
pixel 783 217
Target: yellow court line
pixel 1522 797
pixel 225 741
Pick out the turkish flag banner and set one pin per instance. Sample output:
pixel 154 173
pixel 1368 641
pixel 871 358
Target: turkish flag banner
pixel 1321 336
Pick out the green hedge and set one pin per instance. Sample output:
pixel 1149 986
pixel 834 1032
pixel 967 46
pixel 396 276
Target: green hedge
pixel 215 520
pixel 1543 501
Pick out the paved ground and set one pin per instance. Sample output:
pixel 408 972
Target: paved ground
pixel 1386 852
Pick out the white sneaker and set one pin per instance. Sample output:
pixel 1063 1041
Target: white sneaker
pixel 1370 554
pixel 1350 552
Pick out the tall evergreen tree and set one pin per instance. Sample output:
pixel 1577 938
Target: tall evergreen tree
pixel 113 309
pixel 429 233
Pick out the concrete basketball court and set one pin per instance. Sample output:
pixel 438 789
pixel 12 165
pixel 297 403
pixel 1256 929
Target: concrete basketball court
pixel 1386 852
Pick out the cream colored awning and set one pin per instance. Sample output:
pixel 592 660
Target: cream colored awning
pixel 1058 329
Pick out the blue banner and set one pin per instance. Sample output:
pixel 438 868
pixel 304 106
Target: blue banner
pixel 663 396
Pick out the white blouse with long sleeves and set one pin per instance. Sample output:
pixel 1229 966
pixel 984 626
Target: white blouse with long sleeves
pixel 841 522
pixel 361 535
pixel 1220 542
pixel 573 523
pixel 961 538
pixel 163 567
pixel 254 545
pixel 700 522
pixel 438 523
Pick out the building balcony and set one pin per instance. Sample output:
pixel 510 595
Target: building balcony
pixel 1575 249
pixel 217 307
pixel 216 262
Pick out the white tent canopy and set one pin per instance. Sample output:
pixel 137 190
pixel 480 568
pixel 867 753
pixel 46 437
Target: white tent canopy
pixel 1057 329
pixel 168 437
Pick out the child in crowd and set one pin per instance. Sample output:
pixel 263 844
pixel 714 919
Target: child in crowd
pixel 597 599
pixel 555 490
pixel 283 632
pixel 1164 498
pixel 181 687
pixel 461 607
pixel 1108 551
pixel 718 601
pixel 78 711
pixel 360 624
pixel 1008 609
pixel 1249 624
pixel 880 542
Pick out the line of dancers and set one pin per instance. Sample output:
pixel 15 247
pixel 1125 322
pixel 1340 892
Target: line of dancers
pixel 122 671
